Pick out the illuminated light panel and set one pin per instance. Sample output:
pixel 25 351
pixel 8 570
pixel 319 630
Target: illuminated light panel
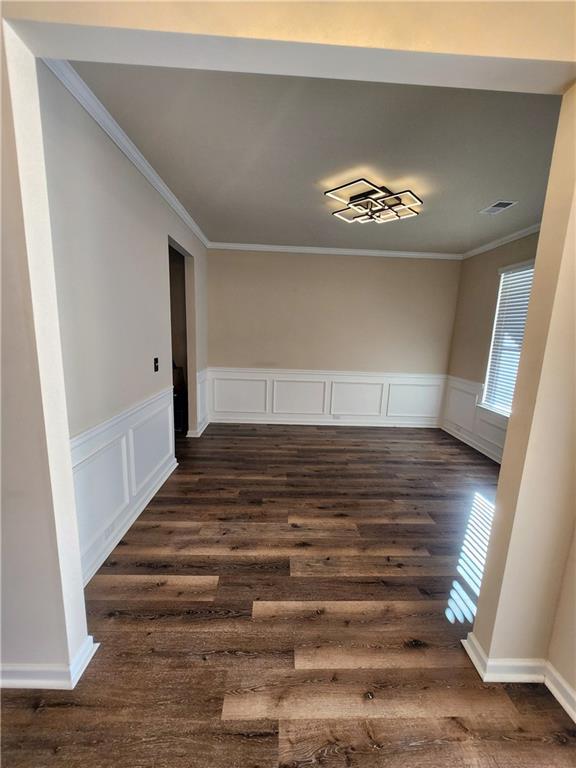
pixel 358 188
pixel 385 216
pixel 406 213
pixel 366 205
pixel 406 199
pixel 373 203
pixel 347 214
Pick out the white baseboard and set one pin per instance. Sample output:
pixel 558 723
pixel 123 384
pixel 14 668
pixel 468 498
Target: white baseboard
pixel 53 676
pixel 469 422
pixel 559 687
pixel 481 446
pixel 118 466
pixel 199 430
pixel 521 671
pixel 281 396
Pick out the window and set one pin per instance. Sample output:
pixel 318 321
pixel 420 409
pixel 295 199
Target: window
pixel 507 337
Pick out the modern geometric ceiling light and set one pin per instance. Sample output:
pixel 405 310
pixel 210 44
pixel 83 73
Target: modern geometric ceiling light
pixel 365 202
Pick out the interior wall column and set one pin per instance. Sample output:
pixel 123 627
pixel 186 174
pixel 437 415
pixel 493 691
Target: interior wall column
pixel 534 519
pixel 44 633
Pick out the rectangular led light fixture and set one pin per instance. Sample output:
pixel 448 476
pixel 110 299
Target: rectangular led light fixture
pixel 366 202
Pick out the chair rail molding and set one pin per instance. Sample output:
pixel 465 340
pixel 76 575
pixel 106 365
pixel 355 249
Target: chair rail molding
pixel 118 466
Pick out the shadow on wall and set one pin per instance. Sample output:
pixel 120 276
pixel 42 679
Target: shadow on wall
pixel 472 559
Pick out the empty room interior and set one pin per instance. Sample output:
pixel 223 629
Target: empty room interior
pixel 288 385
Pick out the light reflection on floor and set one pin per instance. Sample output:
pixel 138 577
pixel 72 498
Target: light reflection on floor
pixel 464 593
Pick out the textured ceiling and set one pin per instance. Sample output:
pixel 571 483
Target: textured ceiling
pixel 250 156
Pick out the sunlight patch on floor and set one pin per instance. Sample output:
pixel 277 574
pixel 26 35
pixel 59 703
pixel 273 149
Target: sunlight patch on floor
pixel 464 593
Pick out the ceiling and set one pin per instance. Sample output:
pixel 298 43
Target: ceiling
pixel 249 156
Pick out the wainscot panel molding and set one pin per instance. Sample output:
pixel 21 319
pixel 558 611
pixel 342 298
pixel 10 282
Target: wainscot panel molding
pixel 202 420
pixel 521 671
pixel 118 466
pixel 470 422
pixel 53 676
pixel 280 396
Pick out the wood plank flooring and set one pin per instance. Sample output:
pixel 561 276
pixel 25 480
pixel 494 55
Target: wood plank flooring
pixel 281 603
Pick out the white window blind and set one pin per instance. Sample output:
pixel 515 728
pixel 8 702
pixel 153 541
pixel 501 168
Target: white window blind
pixel 507 337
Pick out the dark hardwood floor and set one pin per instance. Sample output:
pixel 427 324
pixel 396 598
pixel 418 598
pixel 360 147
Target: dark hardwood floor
pixel 284 601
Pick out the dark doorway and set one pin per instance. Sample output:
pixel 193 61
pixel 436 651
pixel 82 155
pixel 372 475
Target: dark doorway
pixel 179 340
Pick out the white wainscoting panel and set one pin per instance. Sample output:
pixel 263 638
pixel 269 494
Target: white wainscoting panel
pixel 354 398
pixel 469 421
pixel 299 397
pixel 151 442
pixel 98 510
pixel 118 466
pixel 419 400
pixel 239 395
pixel 279 396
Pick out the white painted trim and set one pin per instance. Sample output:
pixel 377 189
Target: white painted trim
pixel 323 373
pixel 103 553
pixel 53 676
pixel 473 424
pixel 502 241
pixel 201 419
pixel 521 671
pixel 476 653
pixel 502 670
pixel 333 251
pixel 492 451
pixel 72 81
pixel 562 691
pixel 318 406
pixel 199 430
pixel 106 426
pixel 319 421
pixel 117 470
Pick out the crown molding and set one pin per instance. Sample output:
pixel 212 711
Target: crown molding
pixel 502 241
pixel 333 251
pixel 72 81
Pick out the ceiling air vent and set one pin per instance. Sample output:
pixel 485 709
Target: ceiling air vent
pixel 499 206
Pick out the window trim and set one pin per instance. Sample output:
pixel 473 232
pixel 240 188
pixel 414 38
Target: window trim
pixel 504 270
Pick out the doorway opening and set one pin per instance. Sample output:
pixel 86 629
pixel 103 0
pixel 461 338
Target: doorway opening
pixel 179 341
